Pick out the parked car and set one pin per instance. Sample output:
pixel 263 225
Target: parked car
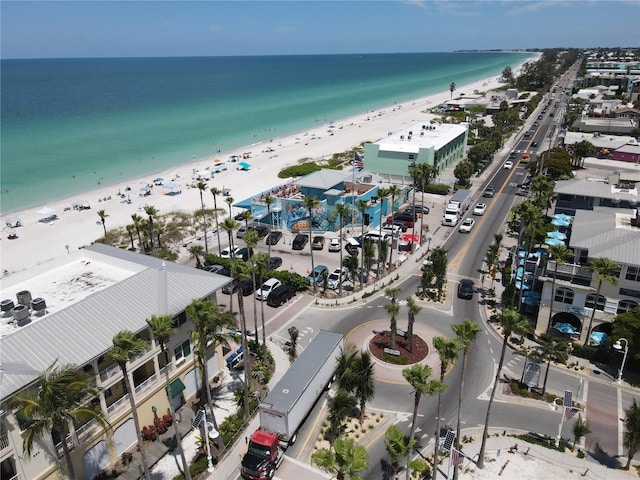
pixel 334 244
pixel 300 241
pixel 465 289
pixel 274 237
pixel 401 225
pixel 318 275
pixel 267 287
pixel 417 209
pixel 391 229
pixel 241 231
pixel 318 242
pixel 352 246
pixel 467 225
pixel 229 252
pixel 243 254
pixel 490 191
pixel 405 218
pixel 213 268
pixel 239 217
pixel 280 295
pixel 480 208
pixel 261 229
pixel 337 276
pixel 247 287
pixel 274 263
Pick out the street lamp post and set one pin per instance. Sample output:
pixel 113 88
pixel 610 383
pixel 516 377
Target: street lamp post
pixel 618 346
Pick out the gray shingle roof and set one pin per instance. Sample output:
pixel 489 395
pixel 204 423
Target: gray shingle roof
pixel 324 179
pixel 84 330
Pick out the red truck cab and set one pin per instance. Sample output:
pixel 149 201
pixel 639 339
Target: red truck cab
pixel 263 456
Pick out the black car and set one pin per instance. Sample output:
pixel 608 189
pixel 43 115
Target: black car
pixel 512 155
pixel 281 295
pixel 262 230
pixel 465 289
pixel 244 254
pixel 239 217
pixel 300 241
pixel 247 287
pixel 418 209
pixel 274 237
pixel 534 144
pixel 275 262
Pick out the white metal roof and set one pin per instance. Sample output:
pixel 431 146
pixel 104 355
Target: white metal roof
pixel 123 289
pixel 422 135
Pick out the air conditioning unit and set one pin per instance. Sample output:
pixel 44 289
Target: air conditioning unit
pixel 21 315
pixel 24 297
pixel 39 305
pixel 7 305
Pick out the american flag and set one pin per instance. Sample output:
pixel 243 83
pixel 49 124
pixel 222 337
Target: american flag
pixel 358 161
pixel 456 456
pixel 570 412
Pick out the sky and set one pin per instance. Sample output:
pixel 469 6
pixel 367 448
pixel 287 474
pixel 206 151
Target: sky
pixel 54 29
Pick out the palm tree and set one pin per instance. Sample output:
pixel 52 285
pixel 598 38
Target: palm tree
pixel 511 322
pixel 392 309
pixel 580 429
pixel 137 222
pixel 292 347
pixel 261 261
pixel 130 232
pixel 125 347
pixel 151 212
pixel 346 368
pixel 439 262
pixel 163 330
pixel 342 210
pixel 364 381
pixel 452 87
pixel 607 270
pixel 251 239
pixel 240 271
pixel 246 216
pixel 368 254
pixel 215 192
pixel 229 202
pixel 211 325
pixel 102 214
pixel 195 251
pixel 418 377
pixel 343 403
pixel 310 203
pixel 351 264
pixel 362 206
pixel 552 350
pixel 346 459
pixel 229 225
pixel 466 332
pixel 631 435
pixel 448 353
pixel 268 200
pixel 561 254
pixel 59 400
pixel 413 310
pixel 425 174
pixel 397 447
pixel 382 194
pixel 394 191
pixel 202 187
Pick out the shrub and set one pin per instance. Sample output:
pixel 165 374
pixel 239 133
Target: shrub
pixel 149 433
pixel 299 170
pixel 126 458
pixel 437 188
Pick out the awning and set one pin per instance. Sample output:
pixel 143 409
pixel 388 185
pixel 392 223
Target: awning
pixel 176 387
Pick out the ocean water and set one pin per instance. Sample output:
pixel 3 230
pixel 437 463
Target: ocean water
pixel 67 124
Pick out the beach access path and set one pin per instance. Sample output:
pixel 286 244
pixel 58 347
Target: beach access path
pixel 40 241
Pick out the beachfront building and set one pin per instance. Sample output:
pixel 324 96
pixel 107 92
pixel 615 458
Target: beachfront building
pixel 288 213
pixel 69 310
pixel 436 144
pixel 598 233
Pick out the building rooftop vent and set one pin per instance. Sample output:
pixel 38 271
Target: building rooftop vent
pixel 24 297
pixel 21 315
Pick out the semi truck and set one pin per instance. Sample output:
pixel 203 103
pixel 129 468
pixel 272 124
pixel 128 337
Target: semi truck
pixel 287 405
pixel 458 204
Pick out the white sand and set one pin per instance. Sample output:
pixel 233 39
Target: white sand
pixel 39 242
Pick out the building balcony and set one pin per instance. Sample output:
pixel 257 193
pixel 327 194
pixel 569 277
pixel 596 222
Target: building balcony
pixel 4 442
pixel 573 273
pixel 118 405
pixel 82 433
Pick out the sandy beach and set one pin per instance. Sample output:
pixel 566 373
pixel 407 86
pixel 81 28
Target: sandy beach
pixel 40 241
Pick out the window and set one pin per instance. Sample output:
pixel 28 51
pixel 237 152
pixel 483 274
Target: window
pixel 626 305
pixel 591 301
pixel 564 295
pixel 633 273
pixel 180 319
pixel 182 351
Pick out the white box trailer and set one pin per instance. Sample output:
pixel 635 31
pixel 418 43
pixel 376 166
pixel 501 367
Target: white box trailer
pixel 290 401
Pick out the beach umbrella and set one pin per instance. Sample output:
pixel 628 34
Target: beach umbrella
pixel 46 211
pixel 558 222
pixel 562 216
pixel 244 166
pixel 159 179
pixel 597 338
pixel 557 235
pixel 565 328
pixel 519 273
pixel 521 286
pixel 552 242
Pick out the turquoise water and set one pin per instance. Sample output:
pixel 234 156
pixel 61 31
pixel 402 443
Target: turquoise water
pixel 67 124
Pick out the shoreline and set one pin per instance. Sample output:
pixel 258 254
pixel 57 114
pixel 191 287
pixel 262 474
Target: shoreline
pixel 39 241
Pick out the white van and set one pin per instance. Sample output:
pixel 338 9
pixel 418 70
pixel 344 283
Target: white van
pixel 375 235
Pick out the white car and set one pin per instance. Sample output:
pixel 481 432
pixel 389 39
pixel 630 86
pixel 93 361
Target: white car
pixel 508 165
pixel 333 281
pixel 229 253
pixel 467 225
pixel 480 208
pixel 267 287
pixel 334 244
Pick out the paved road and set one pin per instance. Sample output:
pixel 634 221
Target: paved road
pixel 602 413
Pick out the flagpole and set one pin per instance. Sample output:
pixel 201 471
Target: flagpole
pixel 353 191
